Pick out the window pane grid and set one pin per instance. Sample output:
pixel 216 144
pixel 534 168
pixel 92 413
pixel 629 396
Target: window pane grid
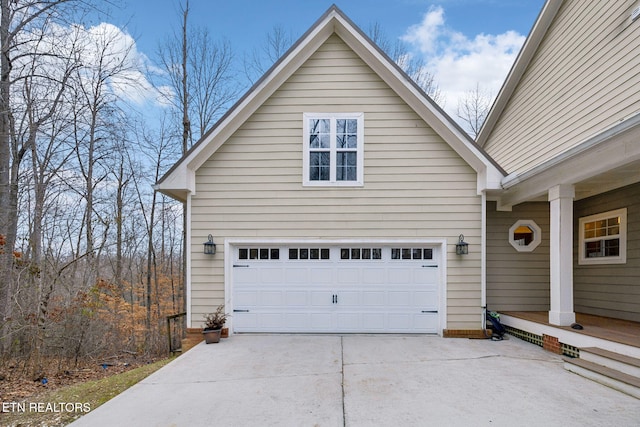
pixel 346 166
pixel 309 253
pixel 361 253
pixel 319 166
pixel 258 253
pixel 602 228
pixel 603 238
pixel 334 148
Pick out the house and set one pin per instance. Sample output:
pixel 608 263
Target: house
pixel 336 192
pixel 566 128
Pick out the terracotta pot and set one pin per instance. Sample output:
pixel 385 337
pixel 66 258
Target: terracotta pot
pixel 224 333
pixel 213 336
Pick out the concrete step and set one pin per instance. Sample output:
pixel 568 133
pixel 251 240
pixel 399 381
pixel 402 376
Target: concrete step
pixel 620 362
pixel 613 378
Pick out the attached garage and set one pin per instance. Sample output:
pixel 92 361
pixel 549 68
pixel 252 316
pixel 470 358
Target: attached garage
pixel 342 287
pixel 339 190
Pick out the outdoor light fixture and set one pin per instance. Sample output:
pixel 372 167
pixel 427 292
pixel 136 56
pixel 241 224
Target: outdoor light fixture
pixel 462 247
pixel 209 246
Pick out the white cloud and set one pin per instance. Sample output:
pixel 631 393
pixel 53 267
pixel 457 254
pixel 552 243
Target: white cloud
pixel 425 35
pixel 118 47
pixel 458 62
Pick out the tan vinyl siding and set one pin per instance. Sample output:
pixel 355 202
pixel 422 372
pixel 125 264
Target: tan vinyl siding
pixel 611 290
pixel 415 185
pixel 517 281
pixel 584 78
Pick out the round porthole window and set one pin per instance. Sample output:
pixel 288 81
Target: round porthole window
pixel 525 235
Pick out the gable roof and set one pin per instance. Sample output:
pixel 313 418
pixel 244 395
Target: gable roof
pixel 179 181
pixel 531 44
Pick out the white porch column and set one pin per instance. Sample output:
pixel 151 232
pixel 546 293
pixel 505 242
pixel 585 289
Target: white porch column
pixel 561 254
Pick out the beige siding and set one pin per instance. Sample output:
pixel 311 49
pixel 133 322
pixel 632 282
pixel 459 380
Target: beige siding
pixel 416 187
pixel 611 290
pixel 584 78
pixel 517 281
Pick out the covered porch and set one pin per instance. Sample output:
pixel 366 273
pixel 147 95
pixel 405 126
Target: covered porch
pixel 573 250
pixel 615 335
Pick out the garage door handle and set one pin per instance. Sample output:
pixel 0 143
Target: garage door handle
pixel 240 311
pixel 429 311
pixel 240 265
pixel 430 266
pixel 334 299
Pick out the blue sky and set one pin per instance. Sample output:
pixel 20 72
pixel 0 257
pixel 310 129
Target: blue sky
pixel 463 42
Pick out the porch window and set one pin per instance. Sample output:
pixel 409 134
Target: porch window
pixel 333 149
pixel 603 238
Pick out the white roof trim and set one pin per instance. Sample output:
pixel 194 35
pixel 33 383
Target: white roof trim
pixel 180 179
pixel 607 150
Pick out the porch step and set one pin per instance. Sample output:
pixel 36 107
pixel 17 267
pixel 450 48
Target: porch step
pixel 620 362
pixel 617 371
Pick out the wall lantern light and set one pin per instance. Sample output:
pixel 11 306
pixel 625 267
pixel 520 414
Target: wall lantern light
pixel 462 247
pixel 209 246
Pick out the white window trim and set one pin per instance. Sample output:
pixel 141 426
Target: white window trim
pixel 620 259
pixel 537 235
pixel 359 182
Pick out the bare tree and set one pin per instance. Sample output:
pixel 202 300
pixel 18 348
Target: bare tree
pixel 277 42
pixel 24 110
pixel 414 67
pixel 199 74
pixel 98 122
pixel 473 109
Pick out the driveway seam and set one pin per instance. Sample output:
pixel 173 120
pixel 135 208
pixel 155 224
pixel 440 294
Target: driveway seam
pixel 344 415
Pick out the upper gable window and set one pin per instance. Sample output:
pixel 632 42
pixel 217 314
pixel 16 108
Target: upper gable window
pixel 333 149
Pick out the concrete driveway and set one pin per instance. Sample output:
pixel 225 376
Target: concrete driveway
pixel 365 380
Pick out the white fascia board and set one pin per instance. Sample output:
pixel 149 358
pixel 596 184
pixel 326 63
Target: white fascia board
pixel 489 176
pixel 180 182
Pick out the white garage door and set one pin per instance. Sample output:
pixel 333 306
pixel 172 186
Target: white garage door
pixel 346 288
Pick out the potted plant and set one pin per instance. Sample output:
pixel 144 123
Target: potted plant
pixel 213 323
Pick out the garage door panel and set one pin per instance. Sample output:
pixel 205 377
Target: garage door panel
pixel 373 298
pixel 374 276
pixel 399 298
pixel 348 298
pixel 297 321
pixel 272 321
pixel 246 276
pixel 425 275
pixel 348 275
pixel 248 298
pixel 321 275
pixel 426 299
pixel 400 276
pixel 297 299
pixel 374 321
pixel 321 322
pixel 245 321
pixel 271 299
pixel 271 275
pixel 296 275
pixel 426 322
pixel 321 298
pixel 334 294
pixel 349 322
pixel 400 322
